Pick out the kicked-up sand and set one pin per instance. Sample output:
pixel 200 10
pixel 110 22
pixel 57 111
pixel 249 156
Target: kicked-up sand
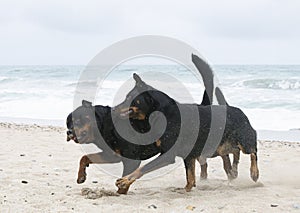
pixel 38 171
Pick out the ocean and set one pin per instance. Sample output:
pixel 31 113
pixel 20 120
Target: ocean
pixel 268 94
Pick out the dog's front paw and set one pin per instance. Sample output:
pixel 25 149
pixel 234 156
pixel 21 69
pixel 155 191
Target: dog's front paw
pixel 123 184
pixel 81 177
pixel 123 191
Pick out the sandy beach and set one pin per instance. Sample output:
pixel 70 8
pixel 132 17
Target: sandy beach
pixel 38 174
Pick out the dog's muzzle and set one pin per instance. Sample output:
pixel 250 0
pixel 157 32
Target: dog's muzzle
pixel 71 136
pixel 126 112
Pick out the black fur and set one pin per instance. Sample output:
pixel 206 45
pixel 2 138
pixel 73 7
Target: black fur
pixel 238 130
pixel 102 133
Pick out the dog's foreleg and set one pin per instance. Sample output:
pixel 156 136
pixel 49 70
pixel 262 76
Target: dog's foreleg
pixel 130 166
pixel 163 160
pixel 95 158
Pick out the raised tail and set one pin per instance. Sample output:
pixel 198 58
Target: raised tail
pixel 212 94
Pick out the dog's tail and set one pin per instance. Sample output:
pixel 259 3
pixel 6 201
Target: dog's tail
pixel 206 99
pixel 212 94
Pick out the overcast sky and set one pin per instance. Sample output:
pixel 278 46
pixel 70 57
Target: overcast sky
pixel 224 32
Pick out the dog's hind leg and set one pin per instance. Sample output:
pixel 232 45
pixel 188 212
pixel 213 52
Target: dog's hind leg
pixel 236 159
pixel 190 173
pixel 203 165
pixel 227 166
pixel 95 158
pixel 254 168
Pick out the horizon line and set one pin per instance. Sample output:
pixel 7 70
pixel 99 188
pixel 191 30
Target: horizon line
pixel 212 64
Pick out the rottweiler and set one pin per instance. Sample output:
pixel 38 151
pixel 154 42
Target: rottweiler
pixel 237 132
pixel 94 124
pixel 230 170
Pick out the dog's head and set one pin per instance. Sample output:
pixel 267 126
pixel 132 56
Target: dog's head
pixel 81 124
pixel 138 101
pixel 141 101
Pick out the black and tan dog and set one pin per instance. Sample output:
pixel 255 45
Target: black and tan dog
pixel 223 151
pixel 94 124
pixel 237 135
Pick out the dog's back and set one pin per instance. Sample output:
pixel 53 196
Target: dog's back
pixel 230 123
pixel 239 129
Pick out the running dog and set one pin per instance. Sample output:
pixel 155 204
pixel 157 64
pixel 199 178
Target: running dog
pixel 237 132
pixel 94 124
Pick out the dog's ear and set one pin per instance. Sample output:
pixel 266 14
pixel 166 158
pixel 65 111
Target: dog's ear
pixel 139 82
pixel 137 78
pixel 86 103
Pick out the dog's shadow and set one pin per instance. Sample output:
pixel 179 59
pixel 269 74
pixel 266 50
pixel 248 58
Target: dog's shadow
pixel 218 184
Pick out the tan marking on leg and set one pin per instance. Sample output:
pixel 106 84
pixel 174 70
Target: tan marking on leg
pixel 254 168
pixel 124 183
pixel 190 175
pixel 95 158
pixel 221 150
pixel 84 162
pixel 242 148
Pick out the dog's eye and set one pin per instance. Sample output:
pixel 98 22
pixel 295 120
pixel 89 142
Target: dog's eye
pixel 138 101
